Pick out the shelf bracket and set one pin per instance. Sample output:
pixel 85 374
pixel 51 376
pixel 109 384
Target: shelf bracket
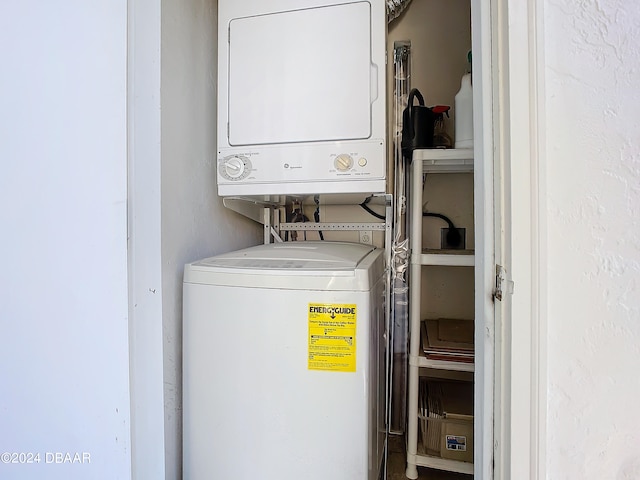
pixel 250 208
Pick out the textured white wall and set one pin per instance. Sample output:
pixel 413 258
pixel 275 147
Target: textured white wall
pixel 63 216
pixel 194 222
pixel 593 220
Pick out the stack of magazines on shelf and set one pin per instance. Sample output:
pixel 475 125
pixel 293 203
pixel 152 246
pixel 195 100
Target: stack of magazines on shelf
pixel 448 339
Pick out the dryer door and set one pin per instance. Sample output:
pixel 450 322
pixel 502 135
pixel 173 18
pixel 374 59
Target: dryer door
pixel 301 76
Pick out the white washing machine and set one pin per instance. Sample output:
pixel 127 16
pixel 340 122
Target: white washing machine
pixel 284 363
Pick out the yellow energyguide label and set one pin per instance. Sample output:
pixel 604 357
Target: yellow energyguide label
pixel 332 337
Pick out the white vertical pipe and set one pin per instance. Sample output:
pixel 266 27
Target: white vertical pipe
pixel 415 287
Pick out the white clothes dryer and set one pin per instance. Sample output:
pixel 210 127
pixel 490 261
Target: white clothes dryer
pixel 301 97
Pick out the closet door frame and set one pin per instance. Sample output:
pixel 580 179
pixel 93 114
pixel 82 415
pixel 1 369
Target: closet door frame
pixel 517 146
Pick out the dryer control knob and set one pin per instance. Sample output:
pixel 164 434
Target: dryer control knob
pixel 343 162
pixel 235 167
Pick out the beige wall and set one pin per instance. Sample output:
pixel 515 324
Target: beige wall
pixel 440 36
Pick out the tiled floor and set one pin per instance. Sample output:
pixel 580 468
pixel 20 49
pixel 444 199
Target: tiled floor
pixel 397 464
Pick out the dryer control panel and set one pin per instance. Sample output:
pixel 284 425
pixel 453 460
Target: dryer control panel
pixel 303 169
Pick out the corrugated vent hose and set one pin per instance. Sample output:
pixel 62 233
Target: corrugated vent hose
pixel 395 8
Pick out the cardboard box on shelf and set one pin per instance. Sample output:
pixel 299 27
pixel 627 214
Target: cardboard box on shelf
pixel 446 419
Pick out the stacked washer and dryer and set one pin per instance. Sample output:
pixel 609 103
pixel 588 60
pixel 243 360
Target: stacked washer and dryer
pixel 284 345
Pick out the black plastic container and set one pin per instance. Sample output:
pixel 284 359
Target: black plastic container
pixel 417 125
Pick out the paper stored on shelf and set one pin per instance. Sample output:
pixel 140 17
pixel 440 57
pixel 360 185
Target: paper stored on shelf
pixel 448 339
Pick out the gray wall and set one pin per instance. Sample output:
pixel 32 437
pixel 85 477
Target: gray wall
pixel 194 222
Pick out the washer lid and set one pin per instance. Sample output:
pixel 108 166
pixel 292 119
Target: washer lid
pixel 297 256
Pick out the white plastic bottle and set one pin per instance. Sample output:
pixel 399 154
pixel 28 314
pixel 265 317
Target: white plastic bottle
pixel 464 114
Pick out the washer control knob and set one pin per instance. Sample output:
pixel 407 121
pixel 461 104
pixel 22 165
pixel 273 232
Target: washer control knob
pixel 343 162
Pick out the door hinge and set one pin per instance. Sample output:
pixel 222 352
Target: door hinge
pixel 502 283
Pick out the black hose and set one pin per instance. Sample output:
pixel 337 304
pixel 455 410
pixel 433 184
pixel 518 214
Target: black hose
pixel 366 207
pixel 453 235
